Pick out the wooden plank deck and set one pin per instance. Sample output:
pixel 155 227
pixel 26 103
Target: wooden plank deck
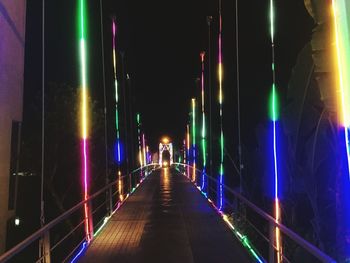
pixel 166 220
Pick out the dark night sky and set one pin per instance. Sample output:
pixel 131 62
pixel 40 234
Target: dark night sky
pixel 162 41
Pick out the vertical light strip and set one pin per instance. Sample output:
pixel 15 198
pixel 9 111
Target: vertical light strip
pixel 188 149
pixel 139 138
pixel 160 150
pixel 84 117
pixel 204 150
pixel 342 38
pixel 171 153
pixel 144 149
pixel 120 186
pixel 114 29
pixel 120 182
pixel 274 117
pixel 194 139
pixel 147 155
pixel 184 153
pixel 220 75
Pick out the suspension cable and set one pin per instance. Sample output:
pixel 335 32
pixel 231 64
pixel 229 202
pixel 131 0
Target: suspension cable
pixel 104 91
pixel 42 212
pixel 238 103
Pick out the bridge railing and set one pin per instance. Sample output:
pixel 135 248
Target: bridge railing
pixel 65 244
pixel 255 228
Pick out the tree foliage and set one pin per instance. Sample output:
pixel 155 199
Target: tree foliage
pixel 62 160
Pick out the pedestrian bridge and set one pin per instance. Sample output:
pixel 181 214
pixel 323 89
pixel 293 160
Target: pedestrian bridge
pixel 159 214
pixel 166 220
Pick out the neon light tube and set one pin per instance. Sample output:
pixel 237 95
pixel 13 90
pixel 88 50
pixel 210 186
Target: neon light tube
pixel 188 149
pixel 114 29
pixel 84 117
pixel 120 183
pixel 83 247
pixel 138 119
pixel 144 149
pixel 105 220
pixel 139 139
pixel 184 153
pixel 148 159
pixel 342 38
pixel 194 139
pixel 274 118
pixel 220 76
pixel 204 152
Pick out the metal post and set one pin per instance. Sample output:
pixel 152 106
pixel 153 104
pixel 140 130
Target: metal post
pixel 110 200
pixel 44 242
pixel 238 104
pixel 130 183
pixel 91 222
pixel 271 242
pixel 46 248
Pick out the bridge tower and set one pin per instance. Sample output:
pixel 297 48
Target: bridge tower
pixel 12 44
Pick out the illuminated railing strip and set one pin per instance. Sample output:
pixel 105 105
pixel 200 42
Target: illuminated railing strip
pixel 274 118
pixel 80 252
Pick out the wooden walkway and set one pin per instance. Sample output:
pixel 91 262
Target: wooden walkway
pixel 166 220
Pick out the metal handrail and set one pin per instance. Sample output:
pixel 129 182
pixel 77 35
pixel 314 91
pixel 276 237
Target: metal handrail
pixel 39 233
pixel 312 249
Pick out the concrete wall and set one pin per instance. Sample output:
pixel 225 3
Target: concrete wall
pixel 12 39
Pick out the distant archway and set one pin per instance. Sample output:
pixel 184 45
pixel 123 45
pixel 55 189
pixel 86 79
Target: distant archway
pixel 166 150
